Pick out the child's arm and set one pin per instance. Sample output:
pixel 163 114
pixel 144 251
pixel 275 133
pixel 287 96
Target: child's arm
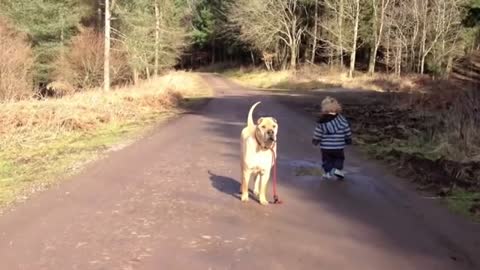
pixel 348 135
pixel 317 135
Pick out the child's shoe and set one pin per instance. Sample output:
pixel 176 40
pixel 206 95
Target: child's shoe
pixel 339 173
pixel 327 175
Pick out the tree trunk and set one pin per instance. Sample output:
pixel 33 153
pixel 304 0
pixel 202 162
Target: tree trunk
pixel 449 66
pixel 372 62
pixel 378 34
pixel 340 37
pixel 373 49
pixel 398 60
pixel 293 44
pixel 62 30
pixel 441 58
pixel 213 51
pixel 99 21
pixel 315 32
pixel 157 38
pixel 284 53
pixel 293 56
pixel 395 61
pixel 413 43
pixel 331 58
pixel 224 55
pixel 135 76
pixel 278 54
pixel 387 57
pixel 424 39
pixel 106 62
pixel 355 36
pixel 422 64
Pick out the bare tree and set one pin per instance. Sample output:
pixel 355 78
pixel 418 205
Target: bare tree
pixel 106 62
pixel 255 27
pixel 411 34
pixel 157 37
pixel 378 26
pixel 397 22
pixel 340 14
pixel 152 35
pixel 444 20
pixel 355 37
pixel 267 23
pixel 340 25
pixel 315 34
pixel 294 28
pixel 423 10
pixel 450 44
pixel 415 12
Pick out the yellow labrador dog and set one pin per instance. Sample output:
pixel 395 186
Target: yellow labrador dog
pixel 257 143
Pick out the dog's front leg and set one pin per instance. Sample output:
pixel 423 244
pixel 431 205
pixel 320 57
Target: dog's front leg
pixel 263 187
pixel 256 189
pixel 246 173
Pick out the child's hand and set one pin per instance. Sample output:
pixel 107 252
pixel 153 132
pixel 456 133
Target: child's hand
pixel 348 141
pixel 315 142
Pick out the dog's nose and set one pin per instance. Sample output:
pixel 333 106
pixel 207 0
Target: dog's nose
pixel 270 132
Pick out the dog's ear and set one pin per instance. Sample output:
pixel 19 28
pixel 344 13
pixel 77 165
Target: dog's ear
pixel 274 120
pixel 260 120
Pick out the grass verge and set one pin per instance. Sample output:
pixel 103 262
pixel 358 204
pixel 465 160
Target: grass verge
pixel 465 203
pixel 320 77
pixel 44 141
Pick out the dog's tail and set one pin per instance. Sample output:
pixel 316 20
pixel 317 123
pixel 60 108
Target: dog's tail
pixel 250 122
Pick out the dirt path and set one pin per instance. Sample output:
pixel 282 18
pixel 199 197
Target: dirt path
pixel 170 201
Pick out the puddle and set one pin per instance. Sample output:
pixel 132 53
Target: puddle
pixel 308 171
pixel 301 163
pixel 305 168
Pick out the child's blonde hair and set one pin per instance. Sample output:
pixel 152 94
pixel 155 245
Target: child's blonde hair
pixel 331 105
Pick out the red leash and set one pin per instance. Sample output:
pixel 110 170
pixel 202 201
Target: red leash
pixel 276 200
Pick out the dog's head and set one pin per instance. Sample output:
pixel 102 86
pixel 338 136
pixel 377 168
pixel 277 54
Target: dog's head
pixel 266 131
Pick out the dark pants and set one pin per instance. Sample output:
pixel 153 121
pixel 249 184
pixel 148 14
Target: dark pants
pixel 332 159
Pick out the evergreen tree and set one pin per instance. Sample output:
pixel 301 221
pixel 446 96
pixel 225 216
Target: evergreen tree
pixel 151 32
pixel 49 25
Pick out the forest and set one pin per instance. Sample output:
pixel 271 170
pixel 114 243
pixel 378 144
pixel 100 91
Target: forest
pixel 52 47
pixel 120 125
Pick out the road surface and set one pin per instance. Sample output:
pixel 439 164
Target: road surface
pixel 170 201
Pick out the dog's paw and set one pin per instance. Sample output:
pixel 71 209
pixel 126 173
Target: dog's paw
pixel 245 198
pixel 263 202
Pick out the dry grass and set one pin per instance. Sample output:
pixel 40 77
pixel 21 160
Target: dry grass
pixel 87 111
pixel 321 77
pixel 41 140
pixel 258 78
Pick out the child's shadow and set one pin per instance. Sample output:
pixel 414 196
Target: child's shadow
pixel 227 185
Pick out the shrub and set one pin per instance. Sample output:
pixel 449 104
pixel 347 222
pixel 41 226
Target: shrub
pixel 16 62
pixel 81 65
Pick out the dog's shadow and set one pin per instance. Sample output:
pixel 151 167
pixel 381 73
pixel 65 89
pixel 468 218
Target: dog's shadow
pixel 228 185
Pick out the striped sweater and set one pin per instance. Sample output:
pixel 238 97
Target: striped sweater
pixel 332 132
